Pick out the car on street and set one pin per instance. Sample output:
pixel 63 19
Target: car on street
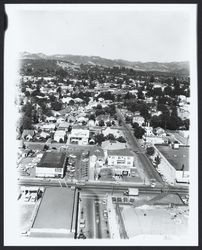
pixel 153 183
pixel 105 214
pixel 104 202
pixel 97 219
pixel 82 223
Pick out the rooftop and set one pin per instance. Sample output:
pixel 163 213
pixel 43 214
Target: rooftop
pixel 80 132
pixel 52 159
pixel 155 220
pixel 120 152
pixel 176 157
pixel 55 210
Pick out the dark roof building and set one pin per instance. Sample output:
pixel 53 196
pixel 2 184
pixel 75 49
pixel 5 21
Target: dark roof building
pixel 52 164
pixel 52 159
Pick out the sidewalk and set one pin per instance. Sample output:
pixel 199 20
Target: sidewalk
pixel 113 222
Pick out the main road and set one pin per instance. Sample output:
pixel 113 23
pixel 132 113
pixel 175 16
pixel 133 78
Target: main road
pixel 147 166
pixel 110 187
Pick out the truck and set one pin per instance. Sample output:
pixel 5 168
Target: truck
pixel 132 192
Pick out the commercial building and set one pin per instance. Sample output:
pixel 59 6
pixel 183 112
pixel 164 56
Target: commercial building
pixel 155 220
pixel 52 164
pixel 56 215
pixel 79 136
pixel 174 162
pixel 121 161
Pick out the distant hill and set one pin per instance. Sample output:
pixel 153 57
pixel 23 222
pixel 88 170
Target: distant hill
pixel 172 67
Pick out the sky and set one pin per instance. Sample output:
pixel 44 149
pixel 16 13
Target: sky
pixel 134 35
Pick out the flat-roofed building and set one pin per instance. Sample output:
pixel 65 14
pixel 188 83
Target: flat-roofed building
pixel 79 136
pixel 56 216
pixel 174 162
pixel 52 164
pixel 121 160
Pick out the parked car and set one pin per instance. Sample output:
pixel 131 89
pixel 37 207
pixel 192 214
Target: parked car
pixel 105 213
pixel 82 223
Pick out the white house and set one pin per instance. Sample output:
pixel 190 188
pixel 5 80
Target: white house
pixel 117 133
pixel 79 136
pixel 121 161
pixel 51 119
pixel 91 123
pixel 48 127
pixel 59 135
pixel 139 119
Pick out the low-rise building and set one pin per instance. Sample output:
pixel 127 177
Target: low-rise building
pixel 28 134
pixel 121 161
pixel 79 136
pixel 48 127
pixel 174 162
pixel 52 164
pixel 56 216
pixel 59 135
pixel 138 119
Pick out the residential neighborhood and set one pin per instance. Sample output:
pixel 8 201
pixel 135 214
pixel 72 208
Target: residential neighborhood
pixel 87 126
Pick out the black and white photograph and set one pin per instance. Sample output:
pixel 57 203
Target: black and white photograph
pixel 100 125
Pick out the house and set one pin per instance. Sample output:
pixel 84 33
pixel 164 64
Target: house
pixel 52 164
pixel 82 119
pixel 60 120
pixel 91 123
pixel 174 162
pixel 153 139
pixel 104 118
pixel 121 161
pixel 148 131
pixel 160 132
pixel 117 133
pixel 63 126
pixel 48 127
pixel 138 119
pixel 44 134
pixel 66 100
pixel 59 135
pixel 183 112
pixel 51 119
pixel 79 136
pixel 28 134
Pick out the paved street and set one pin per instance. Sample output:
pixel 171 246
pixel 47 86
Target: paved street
pixel 91 210
pixel 107 187
pixel 144 162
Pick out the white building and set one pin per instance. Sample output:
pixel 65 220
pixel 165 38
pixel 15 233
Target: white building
pixel 117 133
pixel 121 161
pixel 79 136
pixel 139 119
pixel 59 135
pixel 174 163
pixel 48 127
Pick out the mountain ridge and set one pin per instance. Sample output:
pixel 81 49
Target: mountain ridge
pixel 179 66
